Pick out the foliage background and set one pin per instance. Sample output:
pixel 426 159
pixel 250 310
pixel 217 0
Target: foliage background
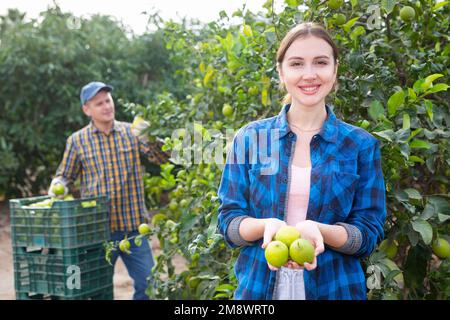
pixel 393 82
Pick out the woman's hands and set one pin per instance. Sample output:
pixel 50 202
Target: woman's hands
pixel 271 226
pixel 308 230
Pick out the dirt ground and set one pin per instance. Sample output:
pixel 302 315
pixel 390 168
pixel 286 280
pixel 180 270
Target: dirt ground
pixel 123 284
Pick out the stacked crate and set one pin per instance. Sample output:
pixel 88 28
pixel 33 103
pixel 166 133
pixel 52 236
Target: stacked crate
pixel 59 251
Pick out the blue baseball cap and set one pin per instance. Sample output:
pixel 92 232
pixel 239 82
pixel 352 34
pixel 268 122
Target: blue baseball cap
pixel 91 89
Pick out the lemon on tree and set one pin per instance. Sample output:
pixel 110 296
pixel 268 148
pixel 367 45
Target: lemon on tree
pixel 407 13
pixel 144 229
pixel 158 218
pixel 389 248
pixel 340 18
pixel 184 203
pixel 276 253
pixel 335 4
pixel 227 110
pixel 441 248
pixel 173 205
pixel 124 245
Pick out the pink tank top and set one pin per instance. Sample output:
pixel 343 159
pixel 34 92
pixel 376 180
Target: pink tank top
pixel 298 196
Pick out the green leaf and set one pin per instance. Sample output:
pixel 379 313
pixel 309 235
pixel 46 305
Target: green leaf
pixel 401 195
pixel 440 5
pixel 392 275
pixel 402 135
pixel 388 5
pixel 424 228
pixel 357 32
pixel 419 144
pixel 225 288
pixel 292 3
pixel 417 86
pixel 415 133
pixel 395 101
pixel 412 94
pixel 349 24
pixel 392 266
pixel 389 134
pixel 429 108
pixel 437 88
pixel 212 226
pixel 413 237
pixel 413 193
pixel 443 217
pixel 428 212
pixel 440 204
pixel 415 267
pixel 416 159
pixel 433 77
pixel 376 109
pixel 406 121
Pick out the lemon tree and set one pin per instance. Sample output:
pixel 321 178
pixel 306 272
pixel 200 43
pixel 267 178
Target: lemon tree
pixel 393 82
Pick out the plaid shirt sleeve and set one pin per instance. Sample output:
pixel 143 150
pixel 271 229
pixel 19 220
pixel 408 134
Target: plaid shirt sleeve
pixel 70 165
pixel 233 190
pixel 369 208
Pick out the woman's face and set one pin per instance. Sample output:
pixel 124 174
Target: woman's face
pixel 308 71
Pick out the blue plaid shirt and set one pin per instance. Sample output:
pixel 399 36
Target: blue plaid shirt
pixel 347 185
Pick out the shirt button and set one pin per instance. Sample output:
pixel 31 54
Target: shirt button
pixel 290 135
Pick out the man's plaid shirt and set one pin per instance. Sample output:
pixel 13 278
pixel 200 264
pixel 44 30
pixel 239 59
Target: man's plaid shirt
pixel 109 164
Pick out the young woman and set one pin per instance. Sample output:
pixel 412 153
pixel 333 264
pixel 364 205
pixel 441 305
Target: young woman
pixel 327 182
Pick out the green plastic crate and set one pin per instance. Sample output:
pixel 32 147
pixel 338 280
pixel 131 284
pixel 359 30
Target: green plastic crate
pixel 105 293
pixel 67 224
pixel 51 272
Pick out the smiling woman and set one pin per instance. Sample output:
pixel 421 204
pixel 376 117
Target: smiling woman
pixel 339 209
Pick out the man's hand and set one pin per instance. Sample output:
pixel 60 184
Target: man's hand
pixel 138 128
pixel 58 188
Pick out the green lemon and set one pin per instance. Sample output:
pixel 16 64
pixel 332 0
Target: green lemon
pixel 389 248
pixel 441 248
pixel 173 205
pixel 58 189
pixel 287 235
pixel 276 253
pixel 157 218
pixel 227 110
pixel 340 18
pixel 144 229
pixel 301 251
pixel 124 245
pixel 253 91
pixel 335 4
pixel 407 13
